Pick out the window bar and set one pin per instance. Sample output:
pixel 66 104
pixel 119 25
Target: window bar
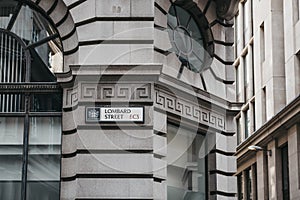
pixel 8 59
pixel 1 56
pixel 47 39
pixel 13 73
pixel 4 62
pixel 9 63
pixel 25 149
pixel 1 69
pixel 17 65
pixel 5 71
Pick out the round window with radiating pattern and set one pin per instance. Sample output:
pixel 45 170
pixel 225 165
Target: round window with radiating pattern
pixel 187 39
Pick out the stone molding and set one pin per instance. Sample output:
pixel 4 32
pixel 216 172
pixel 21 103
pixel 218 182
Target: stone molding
pixel 141 92
pixel 108 93
pixel 71 97
pixel 189 110
pixel 25 87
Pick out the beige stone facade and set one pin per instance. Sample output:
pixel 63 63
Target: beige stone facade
pixel 267 74
pixel 122 58
pixel 124 54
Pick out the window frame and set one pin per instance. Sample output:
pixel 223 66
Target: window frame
pixel 28 89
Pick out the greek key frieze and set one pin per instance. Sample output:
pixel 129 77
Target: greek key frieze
pixel 189 110
pixel 71 95
pixel 116 92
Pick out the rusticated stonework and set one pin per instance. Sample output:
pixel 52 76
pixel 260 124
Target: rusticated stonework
pixel 189 110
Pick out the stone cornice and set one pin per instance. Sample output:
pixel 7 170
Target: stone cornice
pixel 97 72
pixel 185 90
pixel 28 87
pixel 280 122
pixel 191 110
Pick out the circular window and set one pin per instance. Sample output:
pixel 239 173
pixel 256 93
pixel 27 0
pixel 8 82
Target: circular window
pixel 186 38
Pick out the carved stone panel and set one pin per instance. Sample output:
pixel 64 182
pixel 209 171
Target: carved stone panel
pixel 110 92
pixel 189 110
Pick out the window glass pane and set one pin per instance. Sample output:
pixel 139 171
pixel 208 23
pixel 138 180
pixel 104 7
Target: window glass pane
pixel 43 173
pixel 240 187
pixel 44 148
pixel 193 27
pixel 43 167
pixel 247 123
pixel 285 172
pixel 183 16
pixel 186 38
pixel 248 174
pixel 10 168
pixel 186 171
pixel 32 26
pixel 11 103
pixel 46 102
pixel 45 131
pixel 47 190
pixel 237 82
pixel 6 11
pixel 10 190
pixel 11 149
pixel 47 60
pixel 12 59
pixel 238 131
pixel 11 131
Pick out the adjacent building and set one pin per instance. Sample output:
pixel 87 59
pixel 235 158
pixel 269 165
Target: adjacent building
pixel 267 83
pixel 117 99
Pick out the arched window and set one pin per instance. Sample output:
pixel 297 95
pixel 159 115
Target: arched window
pixel 189 35
pixel 30 103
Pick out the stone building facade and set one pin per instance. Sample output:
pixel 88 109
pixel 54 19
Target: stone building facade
pixel 169 60
pixel 267 83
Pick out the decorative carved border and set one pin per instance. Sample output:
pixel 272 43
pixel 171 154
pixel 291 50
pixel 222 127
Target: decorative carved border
pixel 71 97
pixel 189 110
pixel 27 87
pixel 140 92
pixel 106 93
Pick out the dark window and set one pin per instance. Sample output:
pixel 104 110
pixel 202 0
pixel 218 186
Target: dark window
pixel 240 186
pixel 253 116
pixel 248 178
pixel 246 77
pixel 238 131
pixel 247 123
pixel 264 105
pixel 262 43
pixel 30 104
pixel 285 172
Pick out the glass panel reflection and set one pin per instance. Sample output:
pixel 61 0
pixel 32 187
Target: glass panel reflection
pixel 32 26
pixel 186 171
pixel 46 102
pixel 10 190
pixel 43 190
pixel 184 17
pixel 43 172
pixel 11 149
pixel 45 131
pixel 50 56
pixel 34 29
pixel 11 131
